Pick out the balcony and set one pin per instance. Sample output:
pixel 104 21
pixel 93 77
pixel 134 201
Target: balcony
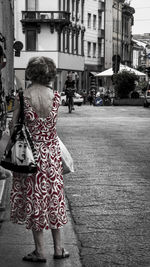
pixel 128 10
pixel 56 19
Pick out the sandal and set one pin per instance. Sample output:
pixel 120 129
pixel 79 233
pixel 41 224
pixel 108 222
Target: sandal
pixel 34 257
pixel 65 254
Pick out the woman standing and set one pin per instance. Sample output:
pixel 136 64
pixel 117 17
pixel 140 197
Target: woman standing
pixel 38 199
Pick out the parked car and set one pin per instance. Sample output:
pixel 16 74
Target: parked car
pixel 77 99
pixel 147 99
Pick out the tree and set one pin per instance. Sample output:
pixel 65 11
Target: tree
pixel 124 83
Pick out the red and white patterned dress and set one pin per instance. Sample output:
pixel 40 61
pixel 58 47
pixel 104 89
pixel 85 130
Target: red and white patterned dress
pixel 38 199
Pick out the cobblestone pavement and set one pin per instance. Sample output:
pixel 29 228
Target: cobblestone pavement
pixel 109 193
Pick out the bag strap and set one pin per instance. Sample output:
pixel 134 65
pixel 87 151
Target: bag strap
pixel 20 121
pixel 21 115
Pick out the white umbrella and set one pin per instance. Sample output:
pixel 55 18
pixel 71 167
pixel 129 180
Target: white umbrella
pixel 109 72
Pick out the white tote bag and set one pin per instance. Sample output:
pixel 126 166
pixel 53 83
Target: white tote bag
pixel 67 160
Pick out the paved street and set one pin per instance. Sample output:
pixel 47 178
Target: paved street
pixel 109 193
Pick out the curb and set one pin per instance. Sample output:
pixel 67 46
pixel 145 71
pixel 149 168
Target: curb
pixel 3 192
pixel 2 187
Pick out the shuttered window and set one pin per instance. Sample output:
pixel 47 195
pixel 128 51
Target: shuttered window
pixel 31 40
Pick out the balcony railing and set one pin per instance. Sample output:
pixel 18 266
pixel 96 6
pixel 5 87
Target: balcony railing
pixel 53 18
pixel 45 16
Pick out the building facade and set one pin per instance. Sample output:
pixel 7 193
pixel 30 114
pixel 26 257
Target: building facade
pixel 118 31
pixel 54 29
pixel 93 41
pixel 127 45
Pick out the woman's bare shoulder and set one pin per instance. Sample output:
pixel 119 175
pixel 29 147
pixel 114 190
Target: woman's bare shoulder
pixel 39 90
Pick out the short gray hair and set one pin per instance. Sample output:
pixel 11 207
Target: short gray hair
pixel 41 70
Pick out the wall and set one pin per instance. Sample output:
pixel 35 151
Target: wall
pixel 65 62
pixel 128 102
pixel 46 40
pixel 7 30
pixel 45 5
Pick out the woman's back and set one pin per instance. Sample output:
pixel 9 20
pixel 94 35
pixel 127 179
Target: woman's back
pixel 40 98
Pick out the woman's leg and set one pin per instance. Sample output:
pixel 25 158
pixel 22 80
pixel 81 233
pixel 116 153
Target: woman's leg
pixel 39 242
pixel 56 234
pixel 59 251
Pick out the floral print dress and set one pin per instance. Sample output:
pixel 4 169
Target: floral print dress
pixel 38 199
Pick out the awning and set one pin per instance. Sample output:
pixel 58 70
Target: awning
pixel 109 72
pixel 93 73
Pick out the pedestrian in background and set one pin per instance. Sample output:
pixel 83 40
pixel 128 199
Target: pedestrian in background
pixel 84 94
pixel 37 200
pixel 90 98
pixel 69 88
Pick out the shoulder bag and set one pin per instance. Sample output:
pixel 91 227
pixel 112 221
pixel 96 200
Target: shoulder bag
pixel 20 155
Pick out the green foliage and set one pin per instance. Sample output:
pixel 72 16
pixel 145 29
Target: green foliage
pixel 142 86
pixel 141 68
pixel 124 83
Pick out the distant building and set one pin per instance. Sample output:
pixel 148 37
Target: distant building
pixel 137 52
pixel 127 23
pixel 139 58
pixel 93 41
pixel 118 31
pixel 141 50
pixel 145 38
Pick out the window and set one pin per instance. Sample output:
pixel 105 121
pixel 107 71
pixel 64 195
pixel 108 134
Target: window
pixel 77 11
pixel 89 49
pixel 64 41
pixel 68 42
pixel 89 20
pixel 31 40
pixel 73 6
pixel 59 5
pixel 73 40
pixel 68 5
pixel 30 5
pixel 59 42
pixel 99 22
pixel 99 50
pixel 94 49
pixel 77 44
pixel 82 43
pixel 64 5
pixel 82 11
pixel 94 21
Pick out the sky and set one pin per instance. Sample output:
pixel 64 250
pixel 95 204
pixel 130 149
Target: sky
pixel 141 16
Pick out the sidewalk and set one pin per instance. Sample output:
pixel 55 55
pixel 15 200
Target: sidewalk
pixel 16 241
pixel 4 174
